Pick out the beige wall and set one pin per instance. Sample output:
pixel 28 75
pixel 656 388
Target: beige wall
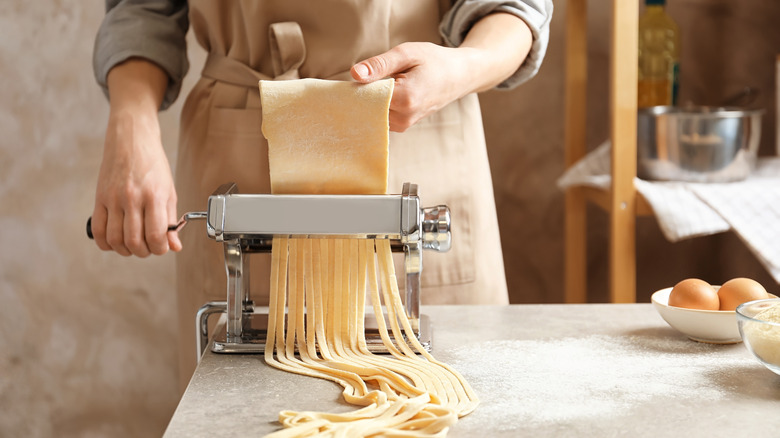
pixel 87 338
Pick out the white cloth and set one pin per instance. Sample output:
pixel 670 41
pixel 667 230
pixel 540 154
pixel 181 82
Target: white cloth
pixel 751 208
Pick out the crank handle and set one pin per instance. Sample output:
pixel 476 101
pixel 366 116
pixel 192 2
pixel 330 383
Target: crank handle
pixel 175 227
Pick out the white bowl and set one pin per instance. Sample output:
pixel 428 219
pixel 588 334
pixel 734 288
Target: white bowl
pixel 711 326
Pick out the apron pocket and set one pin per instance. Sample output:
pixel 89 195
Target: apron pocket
pixel 236 151
pixel 433 154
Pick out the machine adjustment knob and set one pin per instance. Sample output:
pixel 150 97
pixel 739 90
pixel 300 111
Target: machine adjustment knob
pixel 436 228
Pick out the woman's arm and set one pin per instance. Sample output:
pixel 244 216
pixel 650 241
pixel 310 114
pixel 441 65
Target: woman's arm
pixel 150 29
pixel 139 61
pixel 429 76
pixel 136 198
pixel 499 43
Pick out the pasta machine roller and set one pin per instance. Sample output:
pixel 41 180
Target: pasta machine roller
pixel 247 223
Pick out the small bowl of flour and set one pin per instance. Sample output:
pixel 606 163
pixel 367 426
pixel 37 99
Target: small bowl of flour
pixel 759 326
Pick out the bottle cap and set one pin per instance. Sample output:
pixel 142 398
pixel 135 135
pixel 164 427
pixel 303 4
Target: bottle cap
pixel 655 2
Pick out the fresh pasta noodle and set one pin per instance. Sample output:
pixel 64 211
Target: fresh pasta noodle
pixel 320 288
pixel 408 393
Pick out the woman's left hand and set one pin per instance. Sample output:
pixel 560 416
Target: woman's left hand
pixel 428 76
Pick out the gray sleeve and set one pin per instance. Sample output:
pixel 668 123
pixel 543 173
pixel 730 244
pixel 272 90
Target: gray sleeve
pixel 536 13
pixel 150 29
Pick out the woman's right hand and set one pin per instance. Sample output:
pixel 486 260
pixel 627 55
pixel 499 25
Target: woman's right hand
pixel 136 198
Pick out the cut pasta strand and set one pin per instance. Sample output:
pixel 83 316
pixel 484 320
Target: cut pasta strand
pixel 323 285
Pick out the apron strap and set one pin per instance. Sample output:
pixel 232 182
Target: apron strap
pixel 287 54
pixel 232 71
pixel 288 50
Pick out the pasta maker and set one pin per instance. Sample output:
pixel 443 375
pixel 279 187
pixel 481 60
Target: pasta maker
pixel 247 223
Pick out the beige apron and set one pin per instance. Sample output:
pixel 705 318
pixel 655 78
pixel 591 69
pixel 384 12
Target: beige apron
pixel 221 140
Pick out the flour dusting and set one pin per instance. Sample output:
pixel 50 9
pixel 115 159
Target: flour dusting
pixel 570 379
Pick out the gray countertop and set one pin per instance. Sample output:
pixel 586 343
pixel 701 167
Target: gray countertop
pixel 540 370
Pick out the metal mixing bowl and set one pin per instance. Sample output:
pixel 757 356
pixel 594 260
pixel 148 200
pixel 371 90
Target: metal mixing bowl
pixel 697 144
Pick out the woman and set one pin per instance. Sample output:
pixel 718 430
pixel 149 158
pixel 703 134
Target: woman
pixel 437 139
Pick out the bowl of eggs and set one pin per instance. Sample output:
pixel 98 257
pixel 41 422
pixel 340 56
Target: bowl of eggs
pixel 707 313
pixel 759 325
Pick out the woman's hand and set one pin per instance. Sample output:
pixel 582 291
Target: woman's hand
pixel 136 198
pixel 429 77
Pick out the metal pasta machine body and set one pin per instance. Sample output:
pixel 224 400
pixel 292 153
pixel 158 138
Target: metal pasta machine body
pixel 247 223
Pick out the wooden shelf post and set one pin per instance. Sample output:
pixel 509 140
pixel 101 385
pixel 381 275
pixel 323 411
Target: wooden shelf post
pixel 623 109
pixel 576 84
pixel 622 201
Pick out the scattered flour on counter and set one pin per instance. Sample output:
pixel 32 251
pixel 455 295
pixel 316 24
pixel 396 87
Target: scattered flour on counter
pixel 570 379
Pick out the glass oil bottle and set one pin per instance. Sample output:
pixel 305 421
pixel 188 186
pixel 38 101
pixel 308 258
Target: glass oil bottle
pixel 659 55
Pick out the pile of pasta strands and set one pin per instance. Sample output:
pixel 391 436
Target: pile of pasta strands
pixel 325 285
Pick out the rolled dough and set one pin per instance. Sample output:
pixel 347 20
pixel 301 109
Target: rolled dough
pixel 327 136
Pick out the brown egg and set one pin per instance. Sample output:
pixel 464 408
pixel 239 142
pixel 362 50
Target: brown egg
pixel 693 293
pixel 740 290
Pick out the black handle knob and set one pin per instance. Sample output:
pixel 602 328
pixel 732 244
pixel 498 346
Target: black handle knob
pixel 89 228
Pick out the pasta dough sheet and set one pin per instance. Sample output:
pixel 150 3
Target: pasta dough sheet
pixel 326 136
